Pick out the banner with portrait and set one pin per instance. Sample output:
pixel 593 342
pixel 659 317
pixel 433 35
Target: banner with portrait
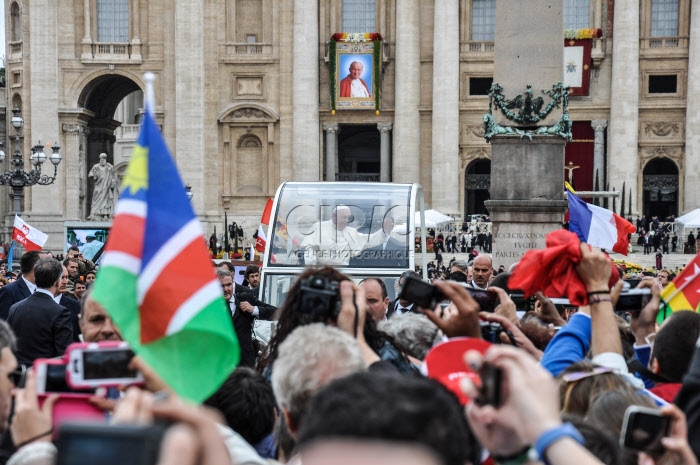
pixel 354 66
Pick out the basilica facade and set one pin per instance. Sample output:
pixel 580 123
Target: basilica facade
pixel 249 94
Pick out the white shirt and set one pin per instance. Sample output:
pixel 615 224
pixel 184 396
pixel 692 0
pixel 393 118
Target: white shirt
pixel 357 89
pixel 232 307
pixel 474 284
pixel 31 286
pixel 329 246
pixel 399 310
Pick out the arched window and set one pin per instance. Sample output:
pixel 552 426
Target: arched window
pixel 16 23
pixel 359 15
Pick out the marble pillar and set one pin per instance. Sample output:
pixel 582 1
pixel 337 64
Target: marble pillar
pixel 445 119
pixel 623 166
pixel 74 160
pixel 305 92
pixel 599 126
pixel 331 130
pixel 406 133
pixel 691 168
pixel 189 147
pixel 87 40
pixel 384 151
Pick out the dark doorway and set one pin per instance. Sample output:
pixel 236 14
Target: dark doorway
pixel 477 182
pixel 358 153
pixel 660 188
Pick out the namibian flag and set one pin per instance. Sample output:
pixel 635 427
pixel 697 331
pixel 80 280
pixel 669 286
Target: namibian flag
pixel 683 293
pixel 156 280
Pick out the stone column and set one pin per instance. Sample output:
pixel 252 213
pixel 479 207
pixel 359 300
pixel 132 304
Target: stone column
pixel 599 126
pixel 135 30
pixel 331 130
pixel 74 162
pixel 407 92
pixel 691 169
pixel 305 92
pixel 445 140
pixel 384 152
pixel 87 39
pixel 624 118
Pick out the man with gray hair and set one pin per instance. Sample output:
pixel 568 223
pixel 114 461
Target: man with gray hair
pixel 309 358
pixel 414 332
pixel 43 328
pixel 461 266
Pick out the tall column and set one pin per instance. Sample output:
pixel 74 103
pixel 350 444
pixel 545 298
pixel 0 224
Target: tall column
pixel 87 39
pixel 135 30
pixel 599 126
pixel 74 161
pixel 384 151
pixel 623 164
pixel 407 90
pixel 331 130
pixel 445 138
pixel 305 92
pixel 692 117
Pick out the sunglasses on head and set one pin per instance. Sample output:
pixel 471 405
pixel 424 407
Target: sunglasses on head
pixel 579 375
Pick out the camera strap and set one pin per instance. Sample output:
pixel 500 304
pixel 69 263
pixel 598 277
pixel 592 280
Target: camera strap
pixel 635 366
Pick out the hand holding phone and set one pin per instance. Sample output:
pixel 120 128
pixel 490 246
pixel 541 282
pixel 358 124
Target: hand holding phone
pixel 643 428
pixel 490 390
pixel 420 293
pixel 487 299
pixel 101 364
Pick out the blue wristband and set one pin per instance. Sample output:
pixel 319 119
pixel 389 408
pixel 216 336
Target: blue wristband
pixel 551 436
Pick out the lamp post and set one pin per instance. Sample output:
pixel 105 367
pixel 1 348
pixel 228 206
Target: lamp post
pixel 17 178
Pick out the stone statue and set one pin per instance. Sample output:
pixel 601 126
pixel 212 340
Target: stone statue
pixel 105 190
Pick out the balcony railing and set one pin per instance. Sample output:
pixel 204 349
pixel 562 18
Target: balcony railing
pixel 127 131
pixel 664 43
pixel 112 51
pixel 244 48
pixel 477 47
pixel 361 177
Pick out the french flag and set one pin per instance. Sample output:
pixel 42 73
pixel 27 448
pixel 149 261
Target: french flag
pixel 597 226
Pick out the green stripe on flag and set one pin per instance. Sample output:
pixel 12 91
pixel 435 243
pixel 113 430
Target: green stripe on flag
pixel 196 360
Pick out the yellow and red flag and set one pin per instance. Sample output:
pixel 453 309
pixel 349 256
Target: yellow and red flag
pixel 683 293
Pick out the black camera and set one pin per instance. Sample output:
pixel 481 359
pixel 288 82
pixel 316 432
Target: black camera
pixel 491 332
pixel 320 297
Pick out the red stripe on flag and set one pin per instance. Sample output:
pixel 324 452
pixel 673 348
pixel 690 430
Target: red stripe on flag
pixel 127 235
pixel 176 283
pixel 624 229
pixel 267 212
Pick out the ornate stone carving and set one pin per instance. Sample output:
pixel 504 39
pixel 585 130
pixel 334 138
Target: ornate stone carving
pixel 331 127
pixel 248 113
pixel 599 125
pixel 474 131
pixel 384 127
pixel 74 128
pixel 662 128
pixel 249 140
pixel 649 153
pixel 467 156
pixel 663 183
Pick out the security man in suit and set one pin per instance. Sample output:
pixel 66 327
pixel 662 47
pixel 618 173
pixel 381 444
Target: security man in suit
pixel 244 308
pixel 23 287
pixel 43 327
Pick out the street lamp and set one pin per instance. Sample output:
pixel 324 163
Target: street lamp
pixel 188 191
pixel 17 177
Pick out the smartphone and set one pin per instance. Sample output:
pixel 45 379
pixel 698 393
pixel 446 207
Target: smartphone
pixel 420 293
pixel 633 300
pixel 51 378
pixel 521 303
pixel 101 364
pixel 87 444
pixel 490 390
pixel 643 428
pixel 487 300
pixel 633 282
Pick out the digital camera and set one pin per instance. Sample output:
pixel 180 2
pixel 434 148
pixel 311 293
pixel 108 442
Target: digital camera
pixel 320 297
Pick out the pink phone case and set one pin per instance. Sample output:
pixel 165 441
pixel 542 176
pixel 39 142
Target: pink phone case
pixel 73 407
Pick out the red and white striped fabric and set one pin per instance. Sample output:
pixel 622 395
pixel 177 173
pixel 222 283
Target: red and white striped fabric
pixel 30 237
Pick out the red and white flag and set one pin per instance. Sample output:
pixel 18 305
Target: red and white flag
pixel 30 237
pixel 262 229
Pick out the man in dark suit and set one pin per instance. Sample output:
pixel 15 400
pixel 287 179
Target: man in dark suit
pixel 23 287
pixel 71 304
pixel 244 307
pixel 43 327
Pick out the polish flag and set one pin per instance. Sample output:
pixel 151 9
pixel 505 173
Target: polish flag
pixel 31 238
pixel 262 229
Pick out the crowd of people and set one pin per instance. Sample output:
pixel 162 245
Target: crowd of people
pixel 350 376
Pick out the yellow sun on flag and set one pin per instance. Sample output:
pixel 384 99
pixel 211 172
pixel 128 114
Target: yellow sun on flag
pixel 136 176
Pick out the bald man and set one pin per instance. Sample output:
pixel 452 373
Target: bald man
pixel 482 269
pixel 333 242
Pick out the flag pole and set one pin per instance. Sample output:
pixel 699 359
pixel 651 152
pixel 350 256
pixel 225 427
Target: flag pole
pixel 149 99
pixel 9 255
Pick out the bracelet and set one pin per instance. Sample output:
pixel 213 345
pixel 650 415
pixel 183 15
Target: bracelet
pixel 597 300
pixel 39 436
pixel 566 430
pixel 518 458
pixel 607 291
